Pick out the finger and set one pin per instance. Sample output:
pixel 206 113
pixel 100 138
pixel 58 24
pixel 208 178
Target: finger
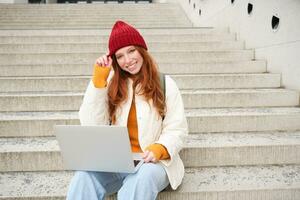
pixel 148 159
pixel 99 62
pixel 145 155
pixel 102 62
pixel 153 159
pixel 109 61
pixel 105 60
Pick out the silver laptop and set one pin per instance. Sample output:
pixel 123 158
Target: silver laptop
pixel 97 148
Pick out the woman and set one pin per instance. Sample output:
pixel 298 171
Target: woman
pixel 130 95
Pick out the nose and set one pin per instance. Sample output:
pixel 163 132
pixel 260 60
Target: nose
pixel 127 59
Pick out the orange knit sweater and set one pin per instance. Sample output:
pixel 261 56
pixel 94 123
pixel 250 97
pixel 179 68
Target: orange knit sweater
pixel 160 152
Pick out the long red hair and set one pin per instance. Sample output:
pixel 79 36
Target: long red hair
pixel 148 80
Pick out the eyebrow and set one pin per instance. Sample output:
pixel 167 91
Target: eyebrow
pixel 119 54
pixel 131 48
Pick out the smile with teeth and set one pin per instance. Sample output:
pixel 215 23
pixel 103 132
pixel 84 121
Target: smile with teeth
pixel 130 67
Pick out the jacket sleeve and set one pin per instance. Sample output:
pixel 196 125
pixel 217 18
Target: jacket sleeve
pixel 93 110
pixel 100 75
pixel 174 126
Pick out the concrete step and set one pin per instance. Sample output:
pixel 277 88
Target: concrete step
pixel 146 32
pixel 19 124
pixel 92 14
pixel 215 81
pixel 228 98
pixel 89 16
pixel 107 23
pixel 66 101
pixel 243 119
pixel 43 153
pixel 257 66
pixel 138 20
pixel 104 16
pixel 103 39
pixel 83 26
pixel 79 83
pixel 70 8
pixel 100 10
pixel 95 10
pixel 67 58
pixel 246 148
pixel 131 19
pixel 95 14
pixel 221 183
pixel 92 47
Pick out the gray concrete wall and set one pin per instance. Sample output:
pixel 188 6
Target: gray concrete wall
pixel 279 47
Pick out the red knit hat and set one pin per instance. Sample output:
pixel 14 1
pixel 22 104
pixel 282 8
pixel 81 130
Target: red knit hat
pixel 123 35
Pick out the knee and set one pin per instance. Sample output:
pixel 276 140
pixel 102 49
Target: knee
pixel 85 181
pixel 151 174
pixel 83 186
pixel 145 184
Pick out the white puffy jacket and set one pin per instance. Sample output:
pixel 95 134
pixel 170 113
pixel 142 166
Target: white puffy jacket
pixel 170 132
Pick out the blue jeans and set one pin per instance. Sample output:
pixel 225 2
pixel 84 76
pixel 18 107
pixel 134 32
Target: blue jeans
pixel 145 184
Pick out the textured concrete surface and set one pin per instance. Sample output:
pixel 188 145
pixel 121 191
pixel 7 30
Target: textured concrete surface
pixel 237 67
pixel 42 69
pixel 243 119
pixel 249 183
pixel 65 58
pixel 199 120
pixel 92 47
pixel 199 81
pixel 78 17
pixel 150 38
pixel 252 148
pixel 40 154
pixel 106 31
pixel 64 101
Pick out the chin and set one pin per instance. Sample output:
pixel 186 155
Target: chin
pixel 135 72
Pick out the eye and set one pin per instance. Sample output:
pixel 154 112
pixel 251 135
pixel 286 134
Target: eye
pixel 119 57
pixel 131 50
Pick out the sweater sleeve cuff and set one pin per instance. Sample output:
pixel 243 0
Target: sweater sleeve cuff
pixel 160 152
pixel 100 75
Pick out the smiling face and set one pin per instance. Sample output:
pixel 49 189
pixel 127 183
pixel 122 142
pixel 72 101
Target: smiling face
pixel 129 59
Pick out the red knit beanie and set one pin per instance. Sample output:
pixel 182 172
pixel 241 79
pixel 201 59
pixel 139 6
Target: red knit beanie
pixel 123 35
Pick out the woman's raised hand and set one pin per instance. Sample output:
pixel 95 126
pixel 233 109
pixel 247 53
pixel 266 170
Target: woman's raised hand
pixel 104 61
pixel 101 72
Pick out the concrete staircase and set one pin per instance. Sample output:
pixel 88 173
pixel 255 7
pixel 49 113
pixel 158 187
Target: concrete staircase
pixel 244 141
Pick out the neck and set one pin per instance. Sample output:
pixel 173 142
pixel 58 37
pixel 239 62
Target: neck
pixel 134 77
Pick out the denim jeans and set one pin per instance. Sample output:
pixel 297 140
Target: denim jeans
pixel 145 184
